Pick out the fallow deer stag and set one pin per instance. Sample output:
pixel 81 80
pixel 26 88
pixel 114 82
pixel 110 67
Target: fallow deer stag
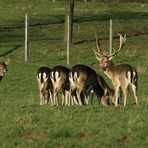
pixel 83 80
pixel 121 75
pixel 3 68
pixel 45 85
pixel 60 81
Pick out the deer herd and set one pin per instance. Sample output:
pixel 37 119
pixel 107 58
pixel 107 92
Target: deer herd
pixel 79 84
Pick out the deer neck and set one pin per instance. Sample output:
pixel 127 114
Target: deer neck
pixel 110 70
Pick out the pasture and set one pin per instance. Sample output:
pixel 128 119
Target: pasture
pixel 23 123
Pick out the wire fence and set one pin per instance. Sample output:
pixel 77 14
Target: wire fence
pixel 118 1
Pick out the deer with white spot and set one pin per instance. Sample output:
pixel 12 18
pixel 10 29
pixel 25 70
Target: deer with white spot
pixel 60 81
pixel 121 75
pixel 45 85
pixel 83 80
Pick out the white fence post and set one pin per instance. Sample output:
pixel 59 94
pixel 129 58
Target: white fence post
pixel 110 36
pixel 26 38
pixel 68 40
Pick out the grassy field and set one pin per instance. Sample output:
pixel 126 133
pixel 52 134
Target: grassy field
pixel 23 122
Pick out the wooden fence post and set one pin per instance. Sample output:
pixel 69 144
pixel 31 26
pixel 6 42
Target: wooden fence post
pixel 70 13
pixel 110 36
pixel 68 40
pixel 26 38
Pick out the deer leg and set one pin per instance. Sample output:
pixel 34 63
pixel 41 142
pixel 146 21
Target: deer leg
pixel 46 97
pixel 105 100
pixel 41 99
pixel 54 96
pixel 74 96
pixel 66 98
pixel 87 97
pixel 51 98
pixel 113 99
pixel 72 100
pixel 116 95
pixel 91 96
pixel 69 98
pixel 75 99
pixel 86 100
pixel 134 88
pixel 63 99
pixel 41 94
pixel 124 90
pixel 55 101
pixel 78 93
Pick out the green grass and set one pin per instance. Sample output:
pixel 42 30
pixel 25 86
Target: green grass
pixel 23 122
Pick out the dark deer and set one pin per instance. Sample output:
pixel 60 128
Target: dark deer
pixel 60 81
pixel 109 94
pixel 83 80
pixel 45 85
pixel 121 75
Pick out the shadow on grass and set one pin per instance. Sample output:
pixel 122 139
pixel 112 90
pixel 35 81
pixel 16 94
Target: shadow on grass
pixel 10 50
pixel 43 21
pixel 126 15
pixel 60 19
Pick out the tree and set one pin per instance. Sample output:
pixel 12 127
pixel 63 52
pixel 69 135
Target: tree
pixel 69 12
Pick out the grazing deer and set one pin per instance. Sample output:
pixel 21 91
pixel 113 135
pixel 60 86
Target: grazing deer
pixel 3 68
pixel 108 92
pixel 121 75
pixel 83 80
pixel 45 85
pixel 60 81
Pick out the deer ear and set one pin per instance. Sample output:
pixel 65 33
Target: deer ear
pixel 7 61
pixel 110 58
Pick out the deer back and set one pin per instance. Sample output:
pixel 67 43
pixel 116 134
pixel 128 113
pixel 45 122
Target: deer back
pixel 43 77
pixel 85 77
pixel 59 77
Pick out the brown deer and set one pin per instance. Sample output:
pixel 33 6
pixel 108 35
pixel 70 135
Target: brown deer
pixel 121 75
pixel 45 85
pixel 3 68
pixel 60 81
pixel 83 80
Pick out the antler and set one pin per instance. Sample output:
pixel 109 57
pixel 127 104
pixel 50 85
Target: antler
pixel 122 41
pixel 97 53
pixel 97 43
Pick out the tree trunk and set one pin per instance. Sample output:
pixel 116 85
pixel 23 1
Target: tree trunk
pixel 69 12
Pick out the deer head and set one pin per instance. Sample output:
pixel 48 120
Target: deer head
pixel 3 67
pixel 104 60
